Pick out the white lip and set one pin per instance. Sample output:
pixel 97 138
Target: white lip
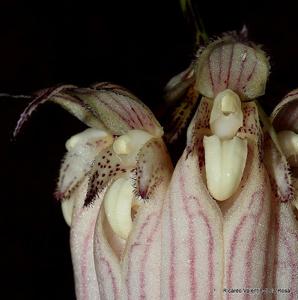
pixel 224 161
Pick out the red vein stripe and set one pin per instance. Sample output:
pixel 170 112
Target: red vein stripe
pixel 111 108
pixel 105 271
pixel 220 65
pixel 210 72
pixel 145 224
pixel 172 273
pixel 252 241
pixel 235 239
pixel 254 67
pixel 84 260
pixel 269 266
pixel 230 66
pixel 122 106
pixel 145 257
pixel 41 98
pixel 192 251
pixel 286 237
pixel 125 94
pixel 115 290
pixel 243 61
pixel 292 262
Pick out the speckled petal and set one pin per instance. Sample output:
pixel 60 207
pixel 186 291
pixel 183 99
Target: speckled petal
pixel 107 166
pixel 131 269
pixel 77 164
pixel 152 169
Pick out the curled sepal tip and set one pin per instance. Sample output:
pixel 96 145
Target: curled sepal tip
pixel 104 106
pixel 59 94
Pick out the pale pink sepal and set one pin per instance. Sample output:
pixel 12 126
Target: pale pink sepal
pixel 192 242
pixel 81 243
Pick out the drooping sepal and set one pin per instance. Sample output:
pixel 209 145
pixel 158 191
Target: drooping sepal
pixel 59 94
pixel 105 106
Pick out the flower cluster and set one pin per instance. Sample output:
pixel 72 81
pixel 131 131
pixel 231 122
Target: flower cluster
pixel 223 219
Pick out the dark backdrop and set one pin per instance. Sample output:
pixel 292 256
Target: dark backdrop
pixel 139 45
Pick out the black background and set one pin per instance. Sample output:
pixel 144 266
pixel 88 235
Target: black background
pixel 136 44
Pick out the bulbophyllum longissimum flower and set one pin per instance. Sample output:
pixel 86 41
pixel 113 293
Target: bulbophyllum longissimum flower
pixel 112 184
pixel 229 218
pixel 223 221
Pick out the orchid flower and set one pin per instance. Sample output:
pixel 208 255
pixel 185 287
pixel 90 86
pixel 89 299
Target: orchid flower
pixel 112 184
pixel 229 227
pixel 222 225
